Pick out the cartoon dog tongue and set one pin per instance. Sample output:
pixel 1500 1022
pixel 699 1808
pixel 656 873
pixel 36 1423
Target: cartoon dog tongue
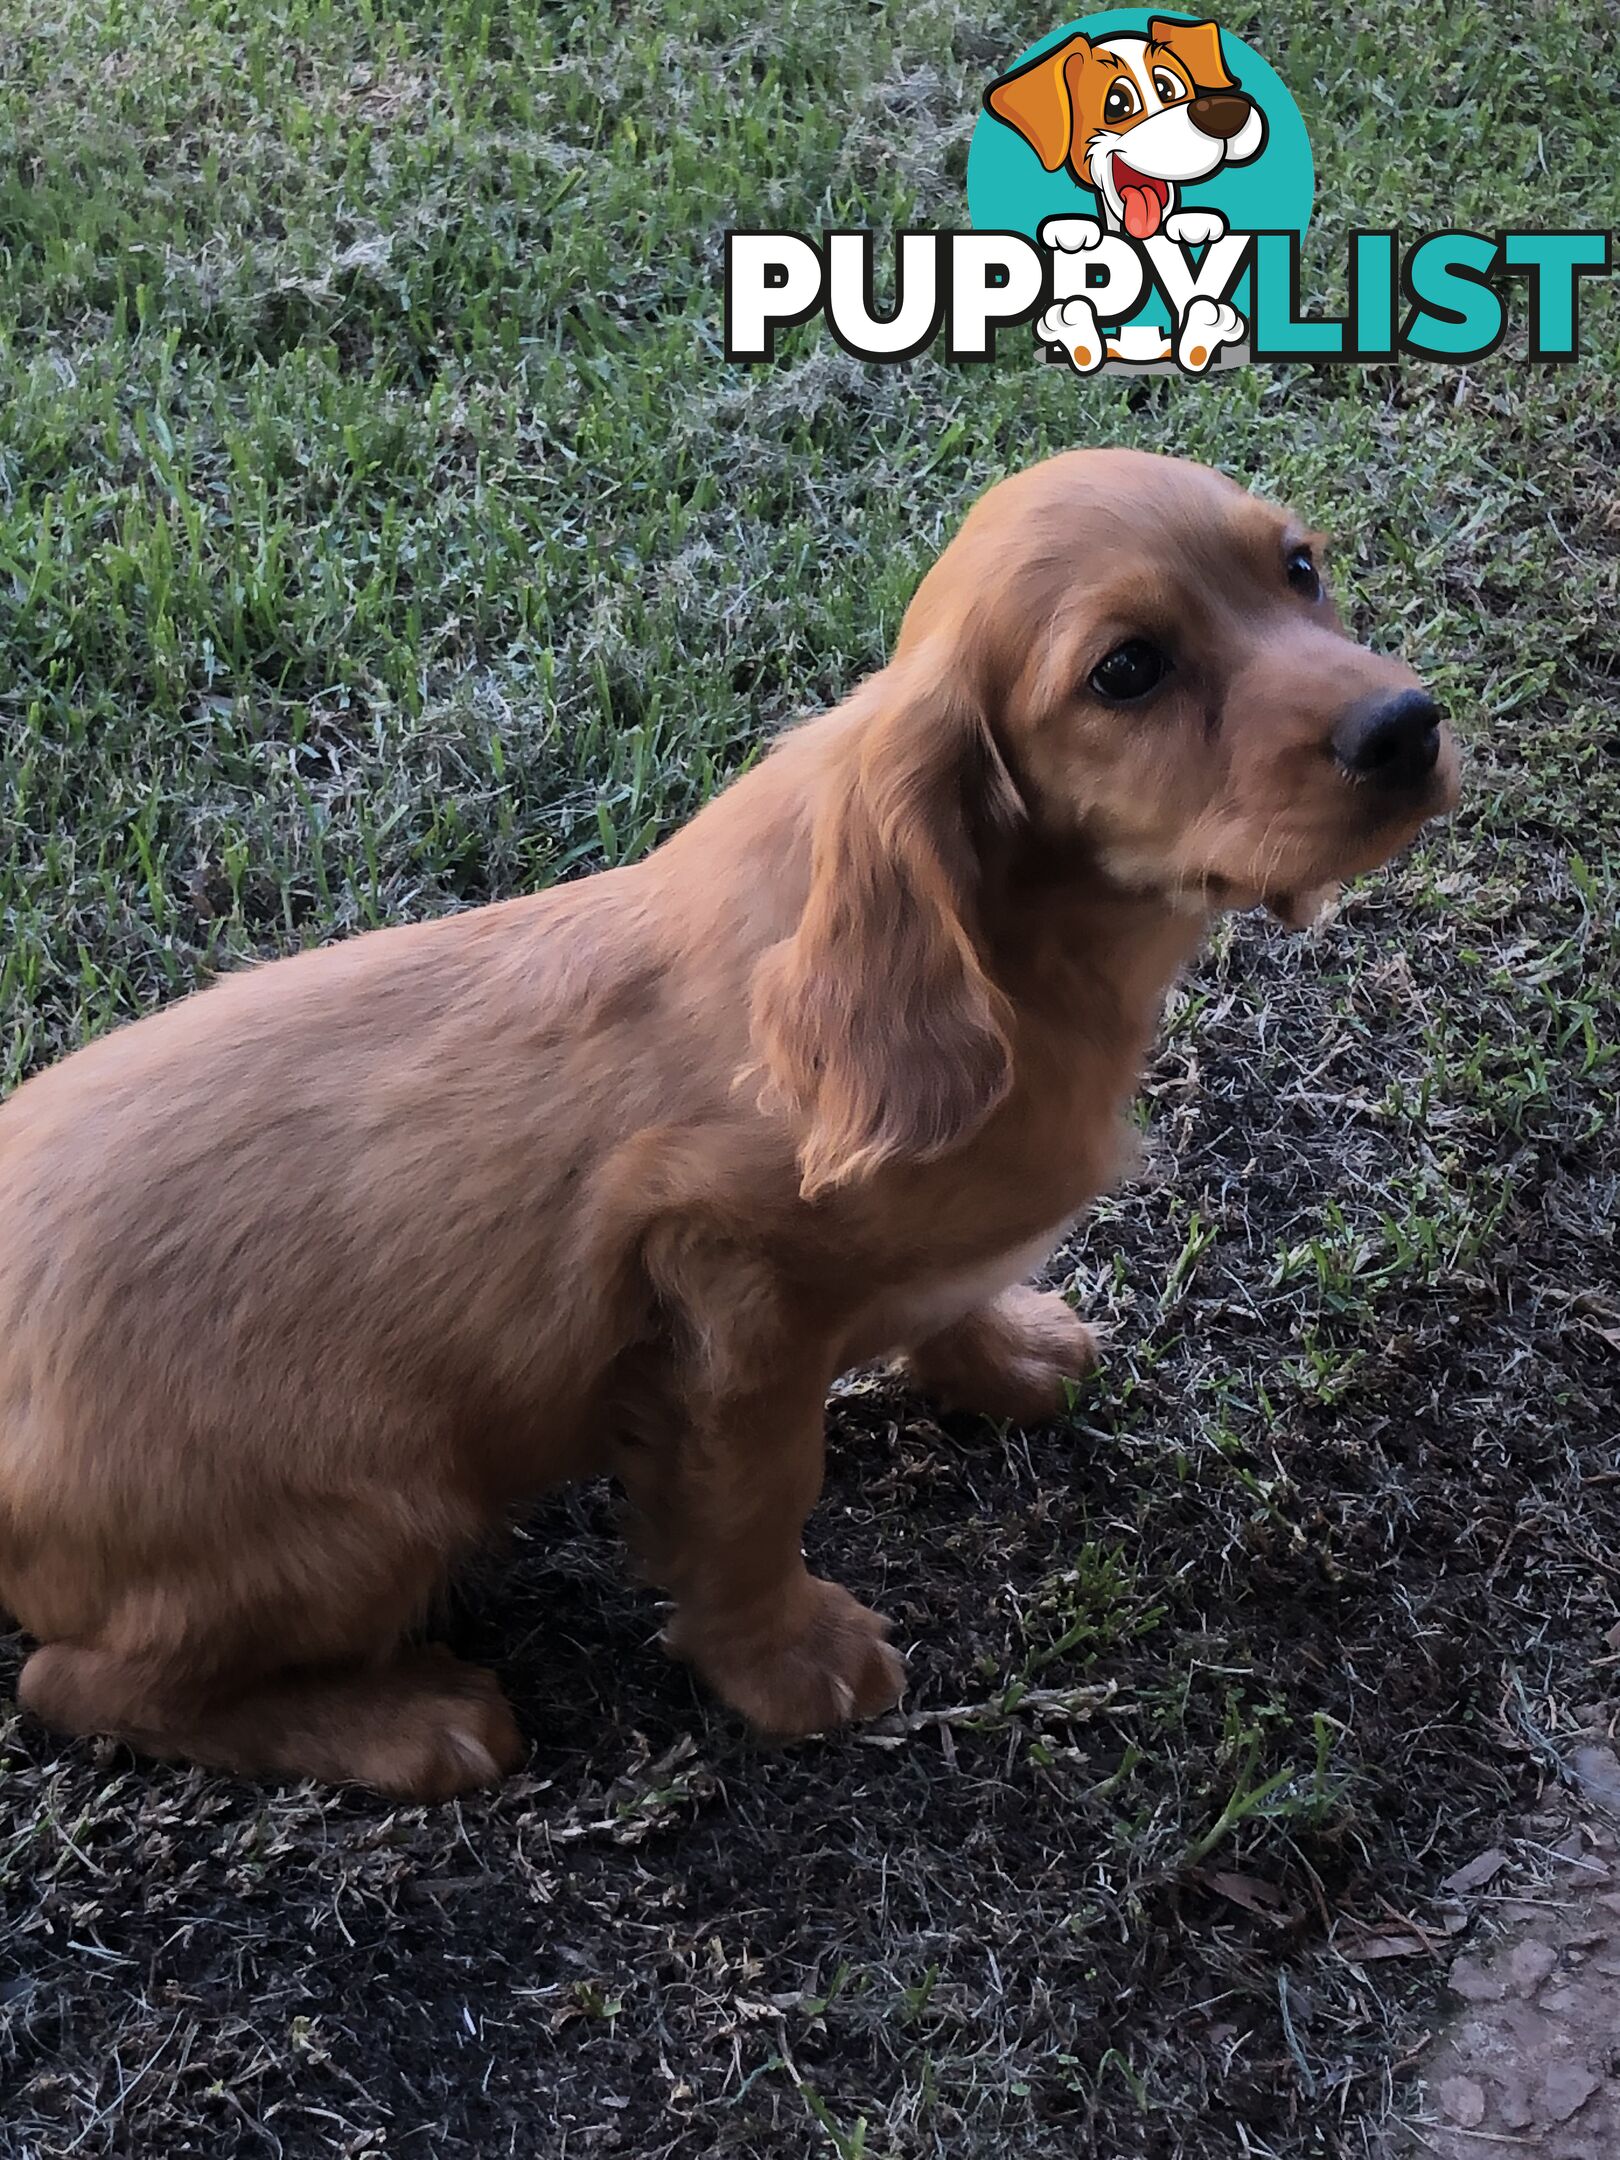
pixel 1141 206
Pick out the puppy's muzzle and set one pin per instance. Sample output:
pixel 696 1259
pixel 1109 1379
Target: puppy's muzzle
pixel 1222 114
pixel 1390 742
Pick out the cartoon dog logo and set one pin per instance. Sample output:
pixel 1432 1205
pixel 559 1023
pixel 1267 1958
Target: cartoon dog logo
pixel 1136 118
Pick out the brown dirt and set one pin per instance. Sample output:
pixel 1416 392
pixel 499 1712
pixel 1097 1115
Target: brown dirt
pixel 1531 2064
pixel 1214 1684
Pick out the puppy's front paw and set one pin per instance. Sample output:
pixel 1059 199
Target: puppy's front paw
pixel 1012 1359
pixel 826 1662
pixel 1195 228
pixel 1073 325
pixel 1050 1349
pixel 1205 328
pixel 1071 235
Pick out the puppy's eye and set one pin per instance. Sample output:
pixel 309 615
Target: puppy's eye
pixel 1170 87
pixel 1121 102
pixel 1130 671
pixel 1302 574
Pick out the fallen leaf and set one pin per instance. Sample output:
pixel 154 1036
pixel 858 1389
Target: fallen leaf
pixel 1476 1873
pixel 1386 1943
pixel 1249 1891
pixel 1420 1939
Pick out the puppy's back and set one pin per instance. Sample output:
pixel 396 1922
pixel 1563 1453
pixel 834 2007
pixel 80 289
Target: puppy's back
pixel 325 1214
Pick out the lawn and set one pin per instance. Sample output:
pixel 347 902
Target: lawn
pixel 381 531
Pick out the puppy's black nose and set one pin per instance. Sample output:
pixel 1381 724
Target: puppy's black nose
pixel 1221 114
pixel 1393 740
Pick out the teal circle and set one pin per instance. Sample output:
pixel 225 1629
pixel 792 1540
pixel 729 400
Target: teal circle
pixel 1009 191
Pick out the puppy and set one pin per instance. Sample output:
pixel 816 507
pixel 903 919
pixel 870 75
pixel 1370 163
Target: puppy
pixel 1136 119
pixel 309 1279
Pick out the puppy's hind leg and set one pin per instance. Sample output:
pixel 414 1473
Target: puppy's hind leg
pixel 1011 1358
pixel 419 1726
pixel 275 1649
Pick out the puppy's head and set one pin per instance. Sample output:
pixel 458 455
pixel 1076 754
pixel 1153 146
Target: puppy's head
pixel 1172 690
pixel 1133 117
pixel 1122 663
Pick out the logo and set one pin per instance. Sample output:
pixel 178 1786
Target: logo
pixel 1139 187
pixel 1142 153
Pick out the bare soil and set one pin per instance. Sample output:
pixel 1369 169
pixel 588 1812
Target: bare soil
pixel 1215 1684
pixel 1531 2061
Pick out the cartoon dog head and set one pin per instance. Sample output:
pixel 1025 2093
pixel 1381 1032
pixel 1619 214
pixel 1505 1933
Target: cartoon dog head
pixel 1133 117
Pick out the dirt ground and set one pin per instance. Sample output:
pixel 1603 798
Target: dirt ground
pixel 1531 2061
pixel 1216 1685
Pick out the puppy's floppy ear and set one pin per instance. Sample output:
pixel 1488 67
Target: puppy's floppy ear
pixel 1197 45
pixel 1036 100
pixel 875 1020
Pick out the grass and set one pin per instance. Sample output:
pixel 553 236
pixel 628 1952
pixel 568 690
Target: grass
pixel 380 531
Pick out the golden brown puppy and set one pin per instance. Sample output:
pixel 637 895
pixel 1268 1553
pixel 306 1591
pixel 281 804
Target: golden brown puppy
pixel 308 1279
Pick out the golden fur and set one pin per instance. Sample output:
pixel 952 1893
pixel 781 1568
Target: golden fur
pixel 308 1279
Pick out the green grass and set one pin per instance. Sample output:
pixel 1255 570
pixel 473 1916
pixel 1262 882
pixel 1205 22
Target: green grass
pixel 380 529
pixel 380 532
